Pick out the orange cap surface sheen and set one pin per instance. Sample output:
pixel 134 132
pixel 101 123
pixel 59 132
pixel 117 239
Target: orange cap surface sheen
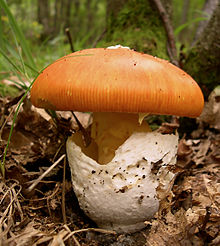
pixel 117 80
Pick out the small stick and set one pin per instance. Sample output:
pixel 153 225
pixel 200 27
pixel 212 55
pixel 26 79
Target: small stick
pixel 74 238
pixel 86 137
pixel 169 30
pixel 99 38
pixel 67 30
pixel 36 182
pixel 63 192
pixel 5 122
pixel 7 106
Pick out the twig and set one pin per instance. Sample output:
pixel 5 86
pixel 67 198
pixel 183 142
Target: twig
pixel 5 122
pixel 36 182
pixel 58 151
pixel 67 30
pixel 99 38
pixel 74 238
pixel 86 136
pixel 2 163
pixel 50 196
pixel 15 195
pixel 63 192
pixel 6 192
pixel 169 30
pixel 13 198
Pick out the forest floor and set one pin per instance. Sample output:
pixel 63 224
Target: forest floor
pixel 38 206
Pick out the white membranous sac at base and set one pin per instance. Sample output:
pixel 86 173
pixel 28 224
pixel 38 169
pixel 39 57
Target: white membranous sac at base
pixel 122 194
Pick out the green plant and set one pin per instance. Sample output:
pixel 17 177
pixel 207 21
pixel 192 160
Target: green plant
pixel 17 59
pixel 2 162
pixel 187 24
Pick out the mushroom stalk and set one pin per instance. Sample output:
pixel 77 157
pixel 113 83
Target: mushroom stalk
pixel 108 132
pixel 111 130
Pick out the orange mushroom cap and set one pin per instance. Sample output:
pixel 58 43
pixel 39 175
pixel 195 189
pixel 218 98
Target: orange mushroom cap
pixel 117 80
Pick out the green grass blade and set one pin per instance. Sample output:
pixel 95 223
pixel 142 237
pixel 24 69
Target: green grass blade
pixel 188 23
pixel 2 43
pixel 20 84
pixel 2 163
pixel 18 33
pixel 9 68
pixel 15 55
pixel 34 70
pixel 17 68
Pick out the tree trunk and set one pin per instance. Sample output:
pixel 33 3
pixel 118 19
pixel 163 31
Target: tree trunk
pixel 208 9
pixel 56 25
pixel 44 17
pixel 76 19
pixel 203 61
pixel 67 14
pixel 184 19
pixel 136 24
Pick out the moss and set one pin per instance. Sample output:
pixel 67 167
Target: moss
pixel 138 26
pixel 203 67
pixel 203 61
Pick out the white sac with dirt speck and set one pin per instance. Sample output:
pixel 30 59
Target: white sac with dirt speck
pixel 124 193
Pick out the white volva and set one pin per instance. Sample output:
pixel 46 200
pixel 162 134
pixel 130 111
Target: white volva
pixel 122 194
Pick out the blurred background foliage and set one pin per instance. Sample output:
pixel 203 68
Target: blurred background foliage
pixel 43 23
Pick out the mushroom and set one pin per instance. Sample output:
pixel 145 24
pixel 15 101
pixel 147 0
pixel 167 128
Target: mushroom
pixel 121 177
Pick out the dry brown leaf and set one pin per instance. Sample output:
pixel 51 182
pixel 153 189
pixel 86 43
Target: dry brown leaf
pixel 58 239
pixel 26 237
pixel 168 128
pixel 200 151
pixel 184 148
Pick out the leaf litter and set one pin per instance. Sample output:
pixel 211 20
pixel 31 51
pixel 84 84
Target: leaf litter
pixel 38 206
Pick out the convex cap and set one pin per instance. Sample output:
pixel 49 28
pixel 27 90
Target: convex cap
pixel 117 80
